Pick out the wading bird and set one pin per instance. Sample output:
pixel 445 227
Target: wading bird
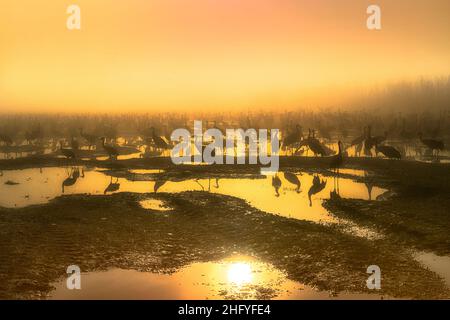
pixel 68 153
pixel 314 144
pixel 158 141
pixel 6 139
pixel 358 142
pixel 293 138
pixel 337 160
pixel 432 144
pixel 90 138
pixel 74 144
pixel 110 150
pixel 388 151
pixel 335 163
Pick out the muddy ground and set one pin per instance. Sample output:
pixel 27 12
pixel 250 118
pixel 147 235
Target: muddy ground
pixel 37 243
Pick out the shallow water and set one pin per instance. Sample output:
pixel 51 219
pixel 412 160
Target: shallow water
pixel 237 277
pixel 37 186
pixel 154 204
pixel 435 263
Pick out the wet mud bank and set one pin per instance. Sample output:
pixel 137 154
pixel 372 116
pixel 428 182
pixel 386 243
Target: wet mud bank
pixel 420 223
pixel 37 243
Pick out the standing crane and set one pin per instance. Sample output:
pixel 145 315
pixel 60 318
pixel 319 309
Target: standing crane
pixel 110 150
pixel 432 144
pixel 68 153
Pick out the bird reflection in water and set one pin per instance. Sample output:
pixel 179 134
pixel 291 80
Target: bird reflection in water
pixel 292 178
pixel 317 186
pixel 112 186
pixel 72 178
pixel 158 184
pixel 276 183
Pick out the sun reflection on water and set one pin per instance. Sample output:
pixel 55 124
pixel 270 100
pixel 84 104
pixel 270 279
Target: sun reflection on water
pixel 239 273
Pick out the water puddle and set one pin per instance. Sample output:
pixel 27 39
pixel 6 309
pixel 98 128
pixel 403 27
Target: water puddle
pixel 435 263
pixel 237 277
pixel 37 186
pixel 145 171
pixel 154 204
pixel 354 172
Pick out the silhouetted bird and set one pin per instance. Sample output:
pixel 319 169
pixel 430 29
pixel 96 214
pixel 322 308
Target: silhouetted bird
pixel 90 138
pixel 110 150
pixel 337 160
pixel 293 138
pixel 432 144
pixel 314 144
pixel 68 153
pixel 6 140
pixel 389 152
pixel 74 144
pixel 158 141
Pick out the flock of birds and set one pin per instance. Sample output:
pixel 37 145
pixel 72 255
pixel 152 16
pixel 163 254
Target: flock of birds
pixel 147 140
pixel 365 142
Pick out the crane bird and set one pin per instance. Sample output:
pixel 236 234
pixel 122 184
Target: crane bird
pixel 358 142
pixel 432 144
pixel 74 144
pixel 112 186
pixel 293 138
pixel 373 141
pixel 110 150
pixel 336 162
pixel 158 141
pixel 314 144
pixel 379 139
pixel 90 138
pixel 276 183
pixel 292 178
pixel 388 151
pixel 6 140
pixel 68 153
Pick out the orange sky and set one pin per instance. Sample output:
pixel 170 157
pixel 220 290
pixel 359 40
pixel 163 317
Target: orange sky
pixel 212 54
